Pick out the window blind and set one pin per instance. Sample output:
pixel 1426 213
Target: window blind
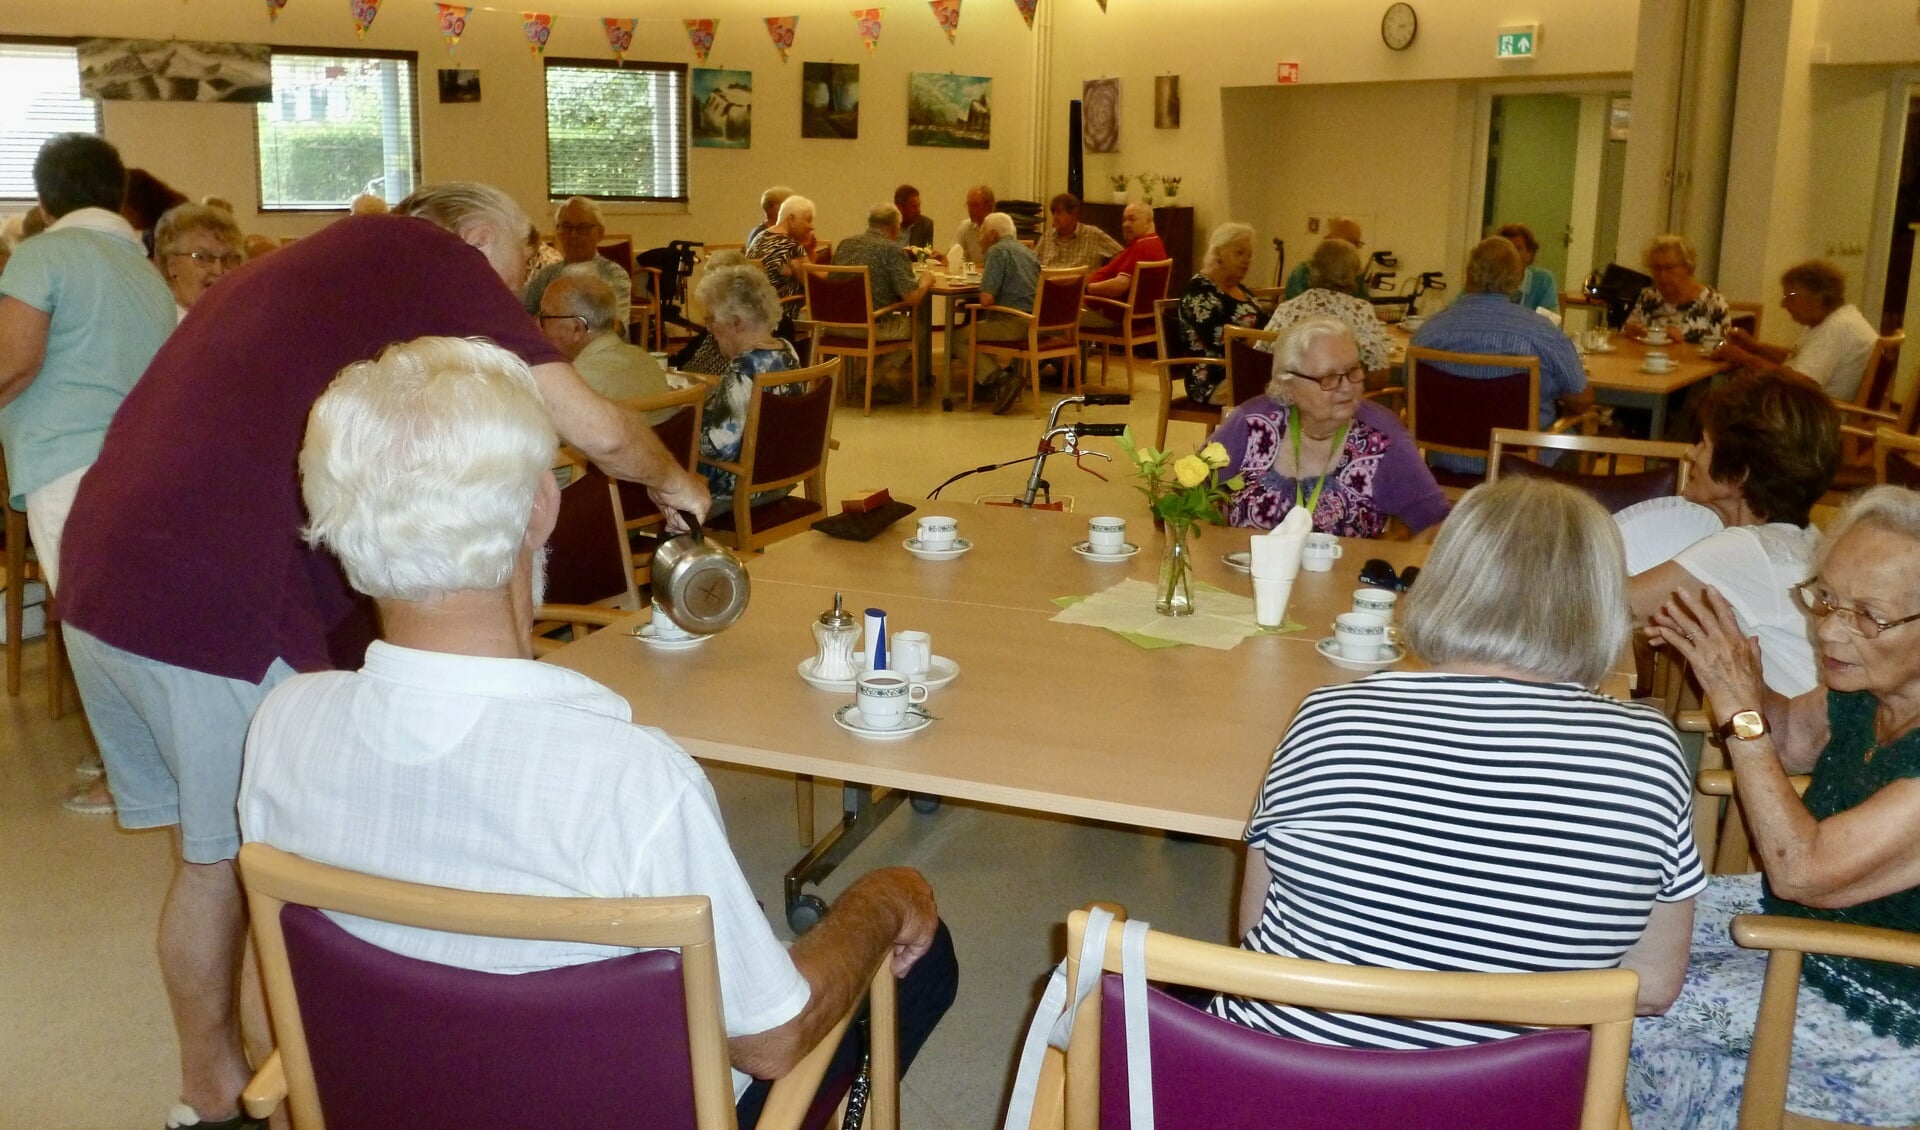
pixel 616 132
pixel 39 98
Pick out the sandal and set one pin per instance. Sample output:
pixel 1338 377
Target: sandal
pixel 183 1115
pixel 90 798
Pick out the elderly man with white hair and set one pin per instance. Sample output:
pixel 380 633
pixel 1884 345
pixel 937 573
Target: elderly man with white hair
pixel 188 593
pixel 1009 281
pixel 452 758
pixel 578 229
pixel 577 316
pixel 1113 278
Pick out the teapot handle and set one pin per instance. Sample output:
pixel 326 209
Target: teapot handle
pixel 693 525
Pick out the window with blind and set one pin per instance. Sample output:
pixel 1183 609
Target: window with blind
pixel 338 125
pixel 39 98
pixel 616 132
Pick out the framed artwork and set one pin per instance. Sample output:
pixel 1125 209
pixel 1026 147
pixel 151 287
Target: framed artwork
pixel 830 100
pixel 174 70
pixel 459 85
pixel 1100 115
pixel 722 108
pixel 1166 102
pixel 949 111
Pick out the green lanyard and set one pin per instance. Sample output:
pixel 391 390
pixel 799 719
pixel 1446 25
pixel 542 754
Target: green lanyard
pixel 1293 433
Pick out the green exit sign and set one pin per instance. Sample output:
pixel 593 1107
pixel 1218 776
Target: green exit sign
pixel 1517 42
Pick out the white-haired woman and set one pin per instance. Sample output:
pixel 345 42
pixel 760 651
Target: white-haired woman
pixel 1848 851
pixel 742 311
pixel 1492 813
pixel 786 247
pixel 1676 302
pixel 1313 440
pixel 195 245
pixel 1215 299
pixel 1333 273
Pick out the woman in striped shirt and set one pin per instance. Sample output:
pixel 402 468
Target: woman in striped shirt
pixel 1492 813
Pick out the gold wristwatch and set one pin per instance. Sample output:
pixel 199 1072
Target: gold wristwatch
pixel 1745 725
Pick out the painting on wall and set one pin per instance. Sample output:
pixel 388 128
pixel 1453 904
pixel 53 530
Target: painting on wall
pixel 949 111
pixel 830 100
pixel 174 70
pixel 1166 102
pixel 1100 115
pixel 459 86
pixel 722 108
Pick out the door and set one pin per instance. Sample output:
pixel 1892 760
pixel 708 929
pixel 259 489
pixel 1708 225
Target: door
pixel 1533 147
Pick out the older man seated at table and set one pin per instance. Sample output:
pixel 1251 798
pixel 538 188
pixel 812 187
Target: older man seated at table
pixel 1068 242
pixel 1677 302
pixel 1833 351
pixel 916 227
pixel 1300 279
pixel 980 204
pixel 576 315
pixel 578 228
pixel 1333 272
pixel 890 280
pixel 1009 281
pixel 1485 319
pixel 1112 279
pixel 451 758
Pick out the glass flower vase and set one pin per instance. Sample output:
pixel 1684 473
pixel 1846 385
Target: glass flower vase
pixel 1175 594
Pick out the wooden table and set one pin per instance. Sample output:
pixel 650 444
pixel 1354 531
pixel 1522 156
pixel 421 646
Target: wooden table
pixel 956 291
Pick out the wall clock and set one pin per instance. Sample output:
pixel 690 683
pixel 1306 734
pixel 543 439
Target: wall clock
pixel 1399 26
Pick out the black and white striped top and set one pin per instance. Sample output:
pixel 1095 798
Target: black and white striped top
pixel 1419 820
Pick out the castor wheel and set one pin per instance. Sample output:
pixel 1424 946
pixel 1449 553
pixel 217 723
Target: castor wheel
pixel 805 912
pixel 925 803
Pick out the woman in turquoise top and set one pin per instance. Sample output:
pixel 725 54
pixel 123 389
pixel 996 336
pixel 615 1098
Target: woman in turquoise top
pixel 1848 852
pixel 1538 290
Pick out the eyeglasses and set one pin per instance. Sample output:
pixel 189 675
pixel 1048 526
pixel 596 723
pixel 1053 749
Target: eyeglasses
pixel 1332 381
pixel 544 318
pixel 578 227
pixel 1379 573
pixel 207 258
pixel 1818 599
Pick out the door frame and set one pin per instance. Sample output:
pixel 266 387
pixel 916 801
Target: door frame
pixel 1903 87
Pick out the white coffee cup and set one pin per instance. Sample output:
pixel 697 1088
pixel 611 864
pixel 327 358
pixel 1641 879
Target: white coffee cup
pixel 938 532
pixel 1657 336
pixel 1378 602
pixel 912 654
pixel 1270 601
pixel 1658 361
pixel 1107 535
pixel 1361 635
pixel 664 628
pixel 1320 553
pixel 1596 339
pixel 883 697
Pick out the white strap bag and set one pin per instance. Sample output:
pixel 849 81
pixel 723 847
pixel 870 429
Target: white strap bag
pixel 1053 1020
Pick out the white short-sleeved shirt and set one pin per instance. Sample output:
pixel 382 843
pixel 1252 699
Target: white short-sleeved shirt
pixel 509 776
pixel 1834 353
pixel 1755 568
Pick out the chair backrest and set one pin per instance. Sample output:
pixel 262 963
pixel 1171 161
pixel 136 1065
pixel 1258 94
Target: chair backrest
pixel 839 296
pixel 588 562
pixel 1149 285
pixel 786 436
pixel 1166 324
pixel 1249 368
pixel 364 1032
pixel 1457 414
pixel 1056 307
pixel 678 433
pixel 1876 381
pixel 1209 1072
pixel 1746 316
pixel 619 250
pixel 1614 489
pixel 1896 458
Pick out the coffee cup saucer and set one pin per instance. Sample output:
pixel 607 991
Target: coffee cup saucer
pixel 926 552
pixel 649 635
pixel 1329 649
pixel 940 672
pixel 848 718
pixel 1656 370
pixel 1239 561
pixel 1086 550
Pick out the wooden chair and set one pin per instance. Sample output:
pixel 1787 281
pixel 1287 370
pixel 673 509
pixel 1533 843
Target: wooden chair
pixel 1133 315
pixel 643 289
pixel 23 568
pixel 588 564
pixel 365 1034
pixel 1213 1073
pixel 785 443
pixel 1456 415
pixel 845 324
pixel 680 435
pixel 1172 366
pixel 1249 368
pixel 1746 316
pixel 1786 940
pixel 1053 332
pixel 1896 458
pixel 1614 489
pixel 1876 405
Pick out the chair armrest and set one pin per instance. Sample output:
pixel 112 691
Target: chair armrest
pixel 1692 722
pixel 1583 423
pixel 1185 362
pixel 1842 939
pixel 1090 300
pixel 1269 294
pixel 792 1094
pixel 1007 310
pixel 1869 413
pixel 900 307
pixel 1714 782
pixel 1391 392
pixel 582 614
pixel 267 1089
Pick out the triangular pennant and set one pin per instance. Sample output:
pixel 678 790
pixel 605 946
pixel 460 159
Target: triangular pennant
pixel 273 9
pixel 1026 10
pixel 780 29
pixel 700 33
pixel 538 28
pixel 1103 5
pixel 363 13
pixel 948 13
pixel 619 36
pixel 453 24
pixel 868 21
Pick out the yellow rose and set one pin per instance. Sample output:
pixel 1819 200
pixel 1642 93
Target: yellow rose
pixel 1215 454
pixel 1191 470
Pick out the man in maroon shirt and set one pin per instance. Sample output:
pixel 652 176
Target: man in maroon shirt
pixel 188 591
pixel 1143 246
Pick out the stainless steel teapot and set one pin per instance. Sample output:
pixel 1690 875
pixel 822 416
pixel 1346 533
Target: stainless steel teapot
pixel 702 586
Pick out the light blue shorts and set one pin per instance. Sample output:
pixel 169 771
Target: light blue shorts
pixel 171 738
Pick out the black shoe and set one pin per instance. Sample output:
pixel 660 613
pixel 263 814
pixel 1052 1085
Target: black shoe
pixel 1006 391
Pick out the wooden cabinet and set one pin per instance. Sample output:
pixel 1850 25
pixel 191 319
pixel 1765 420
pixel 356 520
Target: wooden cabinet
pixel 1174 226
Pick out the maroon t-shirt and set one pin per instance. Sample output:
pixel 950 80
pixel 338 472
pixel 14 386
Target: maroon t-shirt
pixel 1146 249
pixel 184 543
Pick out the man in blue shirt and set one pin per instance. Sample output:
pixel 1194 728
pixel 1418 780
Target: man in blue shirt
pixel 1009 281
pixel 1485 319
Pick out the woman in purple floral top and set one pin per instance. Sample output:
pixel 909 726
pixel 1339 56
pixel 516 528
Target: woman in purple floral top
pixel 1313 440
pixel 1214 300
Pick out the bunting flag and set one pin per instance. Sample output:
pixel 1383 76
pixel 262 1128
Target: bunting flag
pixel 363 13
pixel 948 13
pixel 1026 10
pixel 780 29
pixel 700 33
pixel 273 9
pixel 453 24
pixel 538 27
pixel 1103 5
pixel 868 21
pixel 620 36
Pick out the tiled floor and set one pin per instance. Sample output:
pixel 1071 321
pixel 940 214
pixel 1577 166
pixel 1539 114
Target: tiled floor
pixel 85 1039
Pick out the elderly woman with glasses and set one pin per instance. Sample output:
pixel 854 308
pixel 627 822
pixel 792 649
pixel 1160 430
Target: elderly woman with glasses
pixel 1677 302
pixel 742 310
pixel 1848 851
pixel 194 246
pixel 1313 440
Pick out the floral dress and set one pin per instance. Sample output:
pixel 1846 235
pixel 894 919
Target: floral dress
pixel 1205 313
pixel 1705 316
pixel 723 419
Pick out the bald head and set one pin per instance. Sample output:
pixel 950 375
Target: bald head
pixel 576 307
pixel 1136 221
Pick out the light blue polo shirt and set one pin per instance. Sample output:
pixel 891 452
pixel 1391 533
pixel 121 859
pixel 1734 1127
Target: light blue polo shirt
pixel 110 312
